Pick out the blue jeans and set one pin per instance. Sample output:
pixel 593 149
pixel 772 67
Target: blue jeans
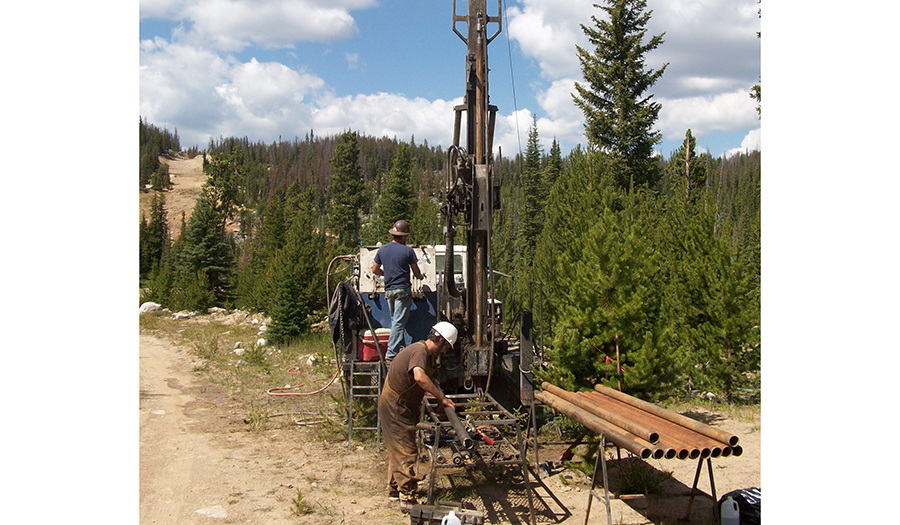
pixel 399 302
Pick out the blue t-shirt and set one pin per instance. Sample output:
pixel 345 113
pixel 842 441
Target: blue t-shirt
pixel 395 259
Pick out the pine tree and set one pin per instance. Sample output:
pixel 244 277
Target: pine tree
pixel 551 170
pixel 619 114
pixel 161 179
pixel 154 235
pixel 531 218
pixel 397 199
pixel 272 235
pixel 347 192
pixel 687 170
pixel 570 211
pixel 204 246
pixel 301 273
pixel 611 306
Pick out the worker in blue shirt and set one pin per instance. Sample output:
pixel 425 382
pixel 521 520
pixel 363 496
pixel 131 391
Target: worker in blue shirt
pixel 394 261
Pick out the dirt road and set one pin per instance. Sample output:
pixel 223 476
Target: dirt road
pixel 200 464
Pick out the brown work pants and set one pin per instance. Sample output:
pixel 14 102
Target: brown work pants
pixel 398 424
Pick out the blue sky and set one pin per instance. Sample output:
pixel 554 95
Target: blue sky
pixel 279 68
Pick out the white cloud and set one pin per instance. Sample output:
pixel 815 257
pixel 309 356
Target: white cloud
pixel 194 82
pixel 352 60
pixel 177 84
pixel 165 9
pixel 273 85
pixel 232 25
pixel 710 45
pixel 386 115
pixel 206 94
pixel 751 142
pixel 703 114
pixel 548 30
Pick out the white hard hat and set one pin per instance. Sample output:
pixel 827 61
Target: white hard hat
pixel 447 331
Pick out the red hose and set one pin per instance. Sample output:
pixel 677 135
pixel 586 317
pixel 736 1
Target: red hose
pixel 279 391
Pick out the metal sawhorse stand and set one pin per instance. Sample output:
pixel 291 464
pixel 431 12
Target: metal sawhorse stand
pixel 600 464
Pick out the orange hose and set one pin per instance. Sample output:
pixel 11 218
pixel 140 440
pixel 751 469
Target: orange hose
pixel 279 391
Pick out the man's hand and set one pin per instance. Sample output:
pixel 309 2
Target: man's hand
pixel 447 402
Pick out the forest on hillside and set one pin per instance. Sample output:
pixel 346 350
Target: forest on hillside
pixel 669 274
pixel 654 261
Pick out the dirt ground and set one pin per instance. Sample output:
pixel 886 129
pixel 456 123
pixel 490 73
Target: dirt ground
pixel 200 464
pixel 187 178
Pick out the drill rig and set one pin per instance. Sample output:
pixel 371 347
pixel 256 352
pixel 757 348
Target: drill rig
pixel 459 284
pixel 470 200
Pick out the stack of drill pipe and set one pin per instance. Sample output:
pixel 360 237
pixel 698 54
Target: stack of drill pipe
pixel 628 420
pixel 699 433
pixel 618 435
pixel 675 439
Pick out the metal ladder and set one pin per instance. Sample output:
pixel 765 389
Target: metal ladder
pixel 369 372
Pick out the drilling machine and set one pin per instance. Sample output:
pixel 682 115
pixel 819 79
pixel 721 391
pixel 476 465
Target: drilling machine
pixel 465 296
pixel 470 200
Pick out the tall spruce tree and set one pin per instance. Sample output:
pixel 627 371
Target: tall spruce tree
pixel 397 200
pixel 301 271
pixel 347 192
pixel 551 170
pixel 531 217
pixel 619 113
pixel 154 236
pixel 206 251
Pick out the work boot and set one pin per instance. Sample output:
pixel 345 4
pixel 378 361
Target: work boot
pixel 393 494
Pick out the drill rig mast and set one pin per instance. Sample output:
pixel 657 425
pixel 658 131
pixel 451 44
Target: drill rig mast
pixel 471 197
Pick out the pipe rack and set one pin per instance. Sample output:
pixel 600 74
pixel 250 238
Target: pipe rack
pixel 643 429
pixel 467 447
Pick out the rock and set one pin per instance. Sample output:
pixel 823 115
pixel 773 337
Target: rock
pixel 183 315
pixel 254 321
pixel 263 328
pixel 238 351
pixel 216 310
pixel 240 362
pixel 311 360
pixel 237 345
pixel 150 307
pixel 260 342
pixel 216 511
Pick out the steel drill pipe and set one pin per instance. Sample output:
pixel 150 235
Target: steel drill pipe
pixel 675 450
pixel 464 438
pixel 665 451
pixel 616 419
pixel 620 437
pixel 684 421
pixel 672 433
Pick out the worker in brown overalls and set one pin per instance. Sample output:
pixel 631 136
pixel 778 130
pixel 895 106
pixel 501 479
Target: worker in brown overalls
pixel 409 378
